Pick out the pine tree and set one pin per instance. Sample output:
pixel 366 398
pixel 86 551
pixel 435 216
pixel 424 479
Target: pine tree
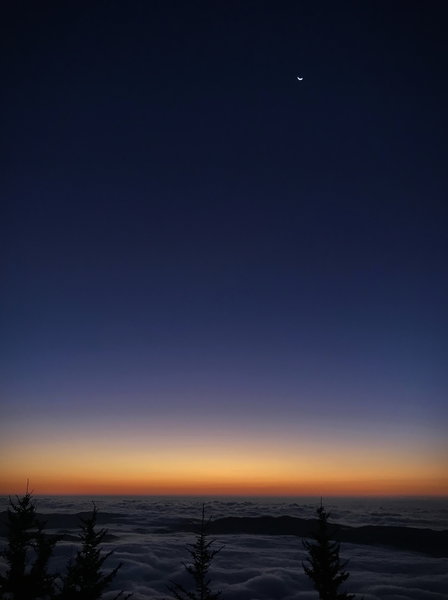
pixel 27 554
pixel 325 568
pixel 84 579
pixel 202 555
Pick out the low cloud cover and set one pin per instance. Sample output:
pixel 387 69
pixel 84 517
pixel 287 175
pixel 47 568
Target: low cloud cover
pixel 253 567
pixel 263 567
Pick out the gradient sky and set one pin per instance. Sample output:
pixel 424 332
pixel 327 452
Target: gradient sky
pixel 216 278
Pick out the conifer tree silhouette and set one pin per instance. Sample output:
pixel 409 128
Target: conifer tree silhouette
pixel 324 567
pixel 27 553
pixel 84 579
pixel 202 555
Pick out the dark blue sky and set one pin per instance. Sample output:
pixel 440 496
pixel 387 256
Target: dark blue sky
pixel 188 225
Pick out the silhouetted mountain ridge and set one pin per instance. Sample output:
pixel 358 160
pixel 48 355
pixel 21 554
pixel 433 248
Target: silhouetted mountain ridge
pixel 427 541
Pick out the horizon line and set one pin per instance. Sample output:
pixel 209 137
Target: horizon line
pixel 229 495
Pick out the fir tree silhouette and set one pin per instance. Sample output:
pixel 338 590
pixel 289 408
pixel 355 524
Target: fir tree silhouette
pixel 325 568
pixel 27 553
pixel 84 579
pixel 202 555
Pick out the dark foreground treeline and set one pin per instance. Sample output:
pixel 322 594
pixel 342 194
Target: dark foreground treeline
pixel 29 550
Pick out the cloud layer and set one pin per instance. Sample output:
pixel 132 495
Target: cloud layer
pixel 254 567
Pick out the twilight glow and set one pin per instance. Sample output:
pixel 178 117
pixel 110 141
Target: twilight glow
pixel 114 454
pixel 219 280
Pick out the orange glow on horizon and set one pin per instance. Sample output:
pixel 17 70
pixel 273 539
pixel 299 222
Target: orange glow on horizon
pixel 198 487
pixel 78 462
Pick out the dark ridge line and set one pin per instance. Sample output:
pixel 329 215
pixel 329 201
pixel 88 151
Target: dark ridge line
pixel 426 541
pixel 65 520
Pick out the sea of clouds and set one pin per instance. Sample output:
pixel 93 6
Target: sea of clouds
pixel 257 567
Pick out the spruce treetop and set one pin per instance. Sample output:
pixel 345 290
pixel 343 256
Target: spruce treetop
pixel 202 554
pixel 323 565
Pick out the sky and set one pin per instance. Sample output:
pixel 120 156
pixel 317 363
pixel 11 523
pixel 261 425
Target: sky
pixel 217 278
